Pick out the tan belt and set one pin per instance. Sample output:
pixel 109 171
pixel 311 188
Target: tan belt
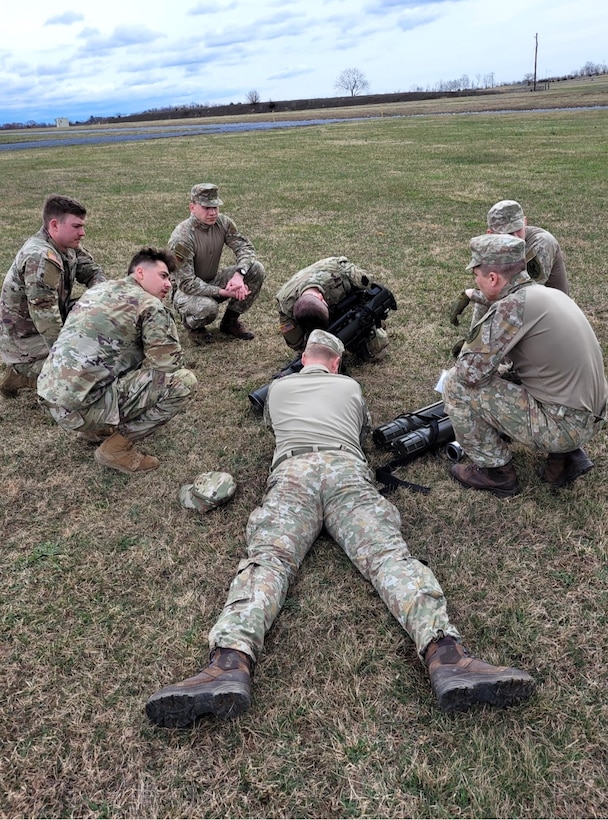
pixel 300 451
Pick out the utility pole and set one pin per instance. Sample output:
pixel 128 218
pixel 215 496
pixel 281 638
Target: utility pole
pixel 535 59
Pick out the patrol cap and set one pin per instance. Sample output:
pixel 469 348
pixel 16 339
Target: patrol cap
pixel 322 337
pixel 205 193
pixel 496 249
pixel 207 491
pixel 506 216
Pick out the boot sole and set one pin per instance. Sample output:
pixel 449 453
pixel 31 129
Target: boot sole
pixel 460 693
pixel 175 709
pixel 247 338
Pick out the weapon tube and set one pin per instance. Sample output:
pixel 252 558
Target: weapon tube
pixel 434 435
pixel 385 434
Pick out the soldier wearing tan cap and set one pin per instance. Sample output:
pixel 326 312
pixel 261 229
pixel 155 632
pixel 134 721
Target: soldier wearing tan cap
pixel 544 259
pixel 200 286
pixel 320 480
pixel 555 397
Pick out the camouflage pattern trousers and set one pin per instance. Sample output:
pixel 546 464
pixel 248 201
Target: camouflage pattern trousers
pixel 198 311
pixel 136 404
pixel 479 416
pixel 304 493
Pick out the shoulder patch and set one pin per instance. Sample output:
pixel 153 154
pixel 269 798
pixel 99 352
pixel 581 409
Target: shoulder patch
pixel 181 251
pixel 51 275
pixel 52 256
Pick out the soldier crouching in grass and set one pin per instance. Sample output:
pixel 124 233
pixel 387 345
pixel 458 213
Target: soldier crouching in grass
pixel 116 374
pixel 554 398
pixel 36 293
pixel 544 258
pixel 200 284
pixel 320 478
pixel 310 299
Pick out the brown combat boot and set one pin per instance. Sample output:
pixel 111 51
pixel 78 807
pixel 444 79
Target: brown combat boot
pixel 232 325
pixel 460 681
pixel 201 337
pixel 14 381
pixel 561 469
pixel 221 689
pixel 118 453
pixel 501 481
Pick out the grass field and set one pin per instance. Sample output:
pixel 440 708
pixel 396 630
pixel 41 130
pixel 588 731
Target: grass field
pixel 108 586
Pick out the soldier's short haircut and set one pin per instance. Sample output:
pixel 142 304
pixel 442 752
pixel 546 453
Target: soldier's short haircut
pixel 310 313
pixel 58 207
pixel 508 271
pixel 322 352
pixel 151 255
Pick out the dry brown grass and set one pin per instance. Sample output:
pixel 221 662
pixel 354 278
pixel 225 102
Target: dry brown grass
pixel 108 586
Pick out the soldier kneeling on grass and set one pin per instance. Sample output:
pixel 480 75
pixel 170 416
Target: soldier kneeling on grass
pixel 555 397
pixel 115 373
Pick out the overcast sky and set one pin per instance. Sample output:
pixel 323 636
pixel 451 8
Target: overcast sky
pixel 75 60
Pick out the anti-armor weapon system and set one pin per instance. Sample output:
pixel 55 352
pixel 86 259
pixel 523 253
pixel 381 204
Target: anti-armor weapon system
pixel 426 430
pixel 357 316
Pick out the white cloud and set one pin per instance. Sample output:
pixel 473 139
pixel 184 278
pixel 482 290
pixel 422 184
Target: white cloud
pixel 104 60
pixel 65 19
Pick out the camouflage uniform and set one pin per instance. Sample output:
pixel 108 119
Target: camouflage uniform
pixel 545 262
pixel 560 401
pixel 334 276
pixel 198 280
pixel 36 298
pixel 544 259
pixel 329 488
pixel 117 363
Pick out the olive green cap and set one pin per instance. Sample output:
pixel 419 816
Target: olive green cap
pixel 322 337
pixel 506 216
pixel 205 193
pixel 496 249
pixel 207 491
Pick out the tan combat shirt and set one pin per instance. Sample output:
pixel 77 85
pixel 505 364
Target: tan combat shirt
pixel 548 338
pixel 317 408
pixel 198 248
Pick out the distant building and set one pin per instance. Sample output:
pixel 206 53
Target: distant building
pixel 62 122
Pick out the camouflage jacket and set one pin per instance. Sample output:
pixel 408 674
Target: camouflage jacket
pixel 114 328
pixel 198 248
pixel 554 351
pixel 36 293
pixel 544 259
pixel 334 276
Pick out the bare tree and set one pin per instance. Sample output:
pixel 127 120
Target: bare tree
pixel 353 81
pixel 253 96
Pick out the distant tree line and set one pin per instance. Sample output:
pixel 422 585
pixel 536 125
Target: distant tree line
pixel 351 80
pixel 12 126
